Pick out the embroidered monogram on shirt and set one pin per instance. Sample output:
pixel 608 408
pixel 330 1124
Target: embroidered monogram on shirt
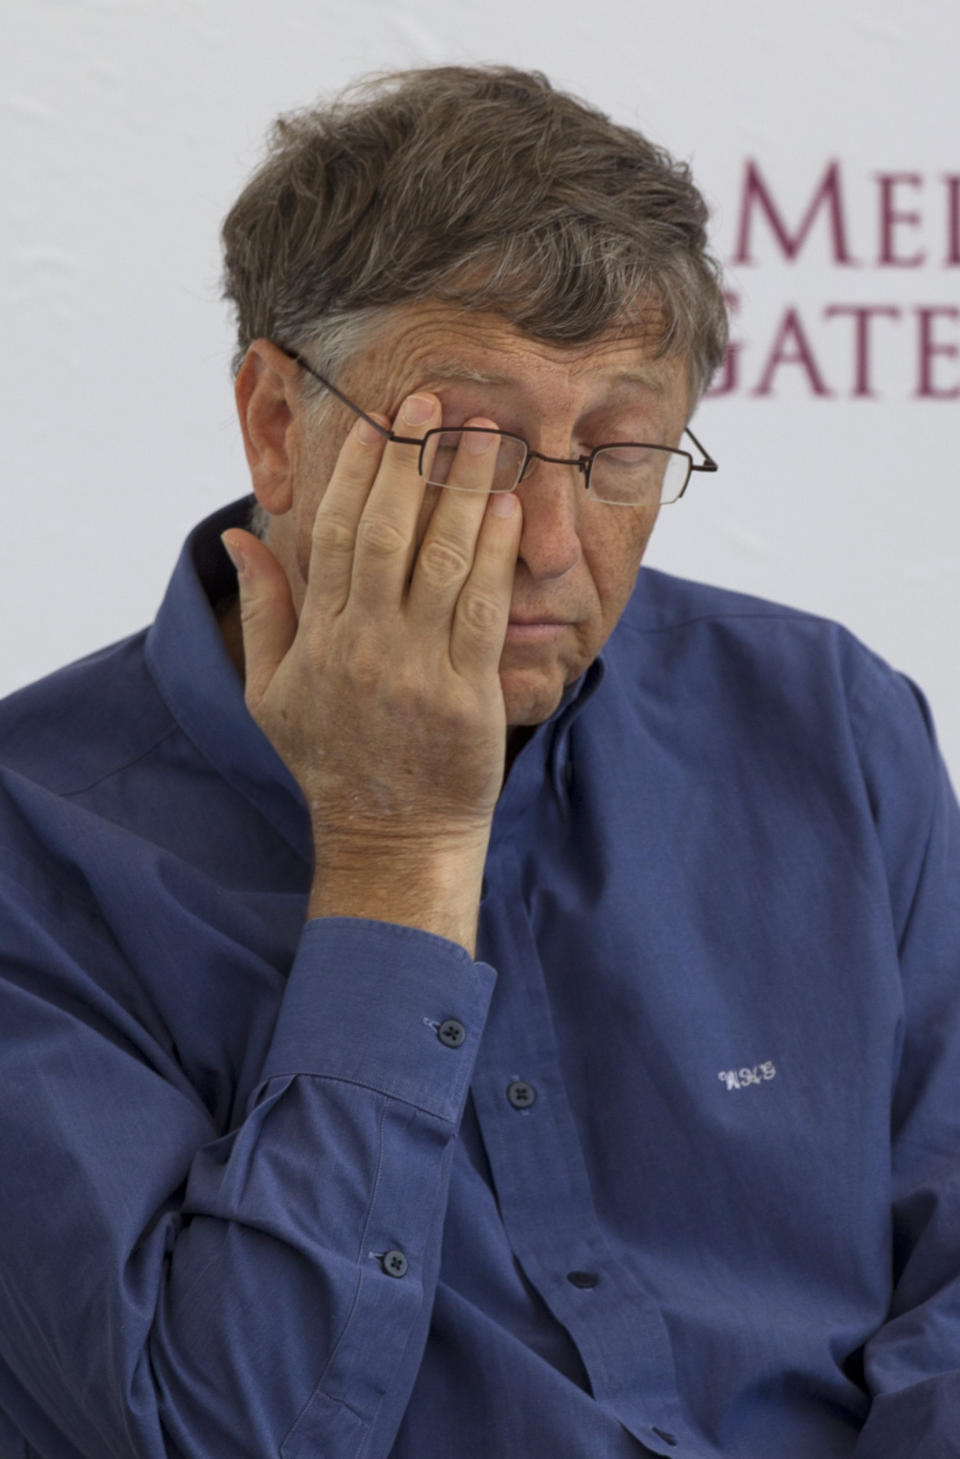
pixel 743 1078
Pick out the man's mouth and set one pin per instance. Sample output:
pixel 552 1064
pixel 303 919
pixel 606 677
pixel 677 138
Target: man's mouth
pixel 524 630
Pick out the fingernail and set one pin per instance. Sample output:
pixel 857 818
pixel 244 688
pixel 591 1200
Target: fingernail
pixel 417 409
pixel 236 557
pixel 504 504
pixel 366 432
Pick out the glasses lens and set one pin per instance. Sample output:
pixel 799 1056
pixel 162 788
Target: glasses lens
pixel 638 476
pixel 456 466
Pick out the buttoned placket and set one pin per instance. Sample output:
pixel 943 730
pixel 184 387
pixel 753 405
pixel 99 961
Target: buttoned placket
pixel 533 1147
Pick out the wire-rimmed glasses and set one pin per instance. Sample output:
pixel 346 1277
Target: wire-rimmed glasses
pixel 623 474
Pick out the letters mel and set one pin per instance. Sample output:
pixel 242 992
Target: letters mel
pixel 849 345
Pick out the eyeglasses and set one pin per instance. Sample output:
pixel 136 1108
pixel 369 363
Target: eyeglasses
pixel 628 474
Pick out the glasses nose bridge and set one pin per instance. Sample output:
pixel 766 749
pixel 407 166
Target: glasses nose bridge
pixel 530 465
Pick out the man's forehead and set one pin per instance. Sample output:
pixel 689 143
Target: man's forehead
pixel 442 343
pixel 649 376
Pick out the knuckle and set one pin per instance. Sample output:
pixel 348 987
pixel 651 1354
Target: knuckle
pixel 332 533
pixel 357 473
pixel 358 677
pixel 366 661
pixel 452 715
pixel 380 536
pixel 366 671
pixel 480 612
pixel 443 561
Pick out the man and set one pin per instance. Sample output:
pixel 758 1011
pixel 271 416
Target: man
pixel 463 994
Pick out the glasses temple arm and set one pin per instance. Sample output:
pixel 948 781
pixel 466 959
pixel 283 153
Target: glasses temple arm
pixel 305 365
pixel 708 463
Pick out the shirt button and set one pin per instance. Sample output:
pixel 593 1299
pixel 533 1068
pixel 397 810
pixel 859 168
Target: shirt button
pixel 521 1095
pixel 395 1264
pixel 451 1033
pixel 670 1439
pixel 583 1279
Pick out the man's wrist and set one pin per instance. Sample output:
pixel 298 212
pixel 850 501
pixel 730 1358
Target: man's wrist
pixel 436 890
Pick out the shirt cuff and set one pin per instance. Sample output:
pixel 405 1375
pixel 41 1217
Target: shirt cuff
pixel 365 1002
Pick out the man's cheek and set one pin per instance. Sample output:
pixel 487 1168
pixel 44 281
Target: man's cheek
pixel 643 530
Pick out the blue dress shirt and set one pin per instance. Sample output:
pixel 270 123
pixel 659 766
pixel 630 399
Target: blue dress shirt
pixel 672 1166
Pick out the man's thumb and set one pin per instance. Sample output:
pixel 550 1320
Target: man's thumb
pixel 267 616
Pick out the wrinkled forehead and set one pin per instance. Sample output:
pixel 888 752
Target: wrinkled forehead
pixel 425 344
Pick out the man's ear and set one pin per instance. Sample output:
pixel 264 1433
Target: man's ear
pixel 266 391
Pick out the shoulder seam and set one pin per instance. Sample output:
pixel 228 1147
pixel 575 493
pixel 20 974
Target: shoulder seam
pixel 872 718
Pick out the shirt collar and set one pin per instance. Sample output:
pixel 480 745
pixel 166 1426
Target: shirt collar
pixel 188 660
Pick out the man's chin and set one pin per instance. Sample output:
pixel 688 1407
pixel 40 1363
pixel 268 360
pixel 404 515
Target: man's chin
pixel 531 695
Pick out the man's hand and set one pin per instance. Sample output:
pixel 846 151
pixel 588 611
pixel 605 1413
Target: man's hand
pixel 384 700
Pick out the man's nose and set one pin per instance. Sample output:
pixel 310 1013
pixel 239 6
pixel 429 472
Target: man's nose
pixel 550 540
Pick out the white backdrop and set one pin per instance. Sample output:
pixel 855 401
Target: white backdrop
pixel 826 137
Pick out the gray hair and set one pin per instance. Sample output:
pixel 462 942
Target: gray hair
pixel 483 187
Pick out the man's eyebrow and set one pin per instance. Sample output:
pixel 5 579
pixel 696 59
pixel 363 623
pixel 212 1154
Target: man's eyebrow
pixel 453 369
